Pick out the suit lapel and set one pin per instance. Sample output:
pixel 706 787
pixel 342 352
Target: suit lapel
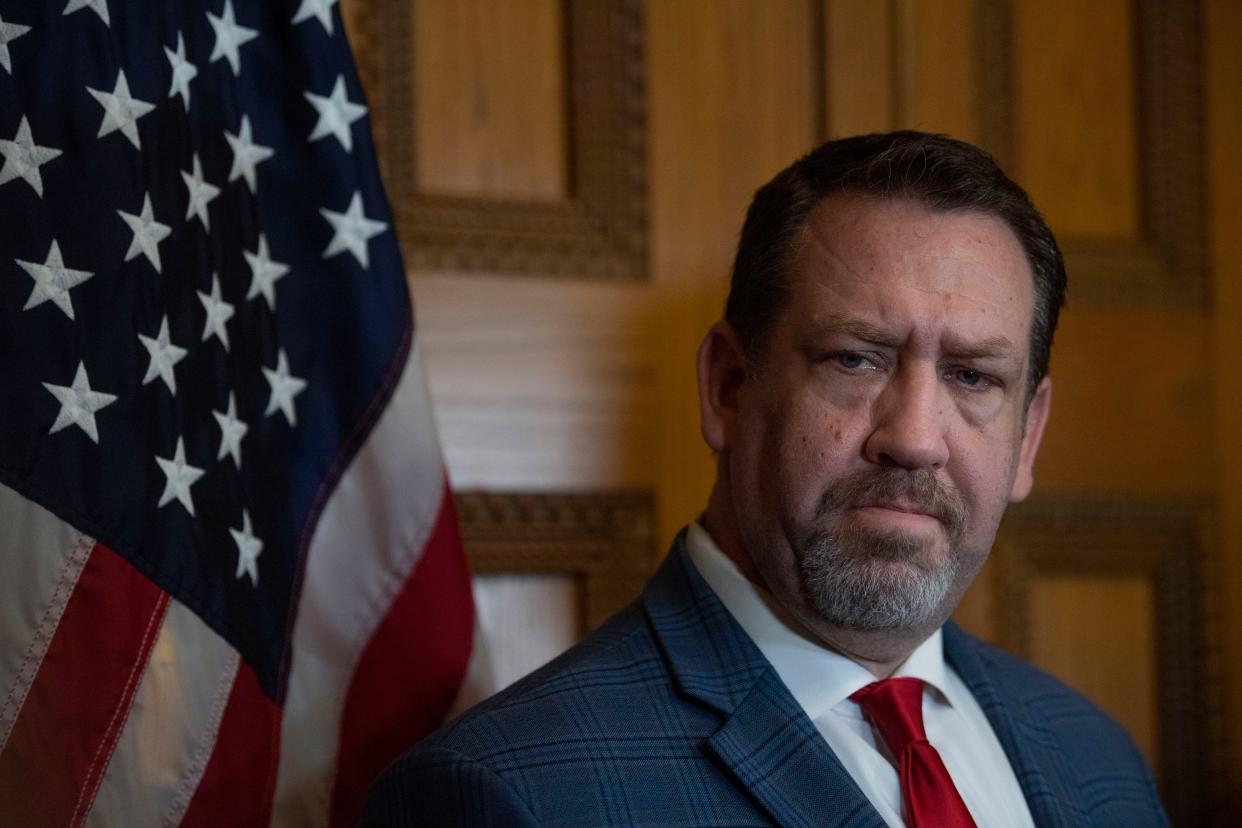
pixel 765 740
pixel 775 752
pixel 1039 762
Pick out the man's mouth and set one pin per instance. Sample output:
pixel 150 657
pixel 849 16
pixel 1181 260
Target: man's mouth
pixel 907 506
pixel 899 510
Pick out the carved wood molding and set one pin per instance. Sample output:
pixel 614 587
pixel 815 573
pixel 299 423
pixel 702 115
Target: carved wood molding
pixel 1165 543
pixel 1168 266
pixel 600 231
pixel 606 540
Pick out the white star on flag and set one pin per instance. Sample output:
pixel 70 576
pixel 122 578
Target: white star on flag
pixel 248 550
pixel 182 72
pixel 179 477
pixel 53 281
pixel 23 157
pixel 148 233
pixel 351 230
pixel 263 273
pixel 218 312
pixel 284 388
pixel 319 9
pixel 246 154
pixel 78 404
pixel 121 110
pixel 8 33
pixel 164 356
pixel 201 193
pixel 232 430
pixel 230 37
pixel 336 114
pixel 99 7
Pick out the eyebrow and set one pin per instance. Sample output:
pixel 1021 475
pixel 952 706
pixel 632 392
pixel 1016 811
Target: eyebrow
pixel 857 328
pixel 992 347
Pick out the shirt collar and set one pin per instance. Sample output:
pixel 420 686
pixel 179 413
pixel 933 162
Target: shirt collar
pixel 818 678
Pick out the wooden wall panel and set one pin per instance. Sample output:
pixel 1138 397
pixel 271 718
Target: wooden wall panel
pixel 1099 632
pixel 728 91
pixel 860 53
pixel 938 81
pixel 567 155
pixel 490 102
pixel 908 64
pixel 1131 388
pixel 1075 116
pixel 601 540
pixel 1083 584
pixel 1103 132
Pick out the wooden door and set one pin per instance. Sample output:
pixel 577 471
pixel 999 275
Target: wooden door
pixel 569 178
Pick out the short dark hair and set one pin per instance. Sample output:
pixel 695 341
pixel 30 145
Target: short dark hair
pixel 935 170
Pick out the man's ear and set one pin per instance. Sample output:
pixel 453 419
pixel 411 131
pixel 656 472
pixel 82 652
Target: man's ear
pixel 722 370
pixel 1036 419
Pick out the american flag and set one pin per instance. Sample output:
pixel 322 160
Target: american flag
pixel 231 585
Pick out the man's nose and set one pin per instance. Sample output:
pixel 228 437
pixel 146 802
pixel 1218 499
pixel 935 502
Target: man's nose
pixel 909 422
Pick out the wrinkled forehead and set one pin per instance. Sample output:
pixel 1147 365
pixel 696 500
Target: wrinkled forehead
pixel 899 261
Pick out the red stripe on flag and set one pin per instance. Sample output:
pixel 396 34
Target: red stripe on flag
pixel 64 735
pixel 409 673
pixel 236 788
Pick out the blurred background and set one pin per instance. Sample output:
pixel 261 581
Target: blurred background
pixel 569 179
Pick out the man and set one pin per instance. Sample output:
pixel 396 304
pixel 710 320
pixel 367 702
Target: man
pixel 875 397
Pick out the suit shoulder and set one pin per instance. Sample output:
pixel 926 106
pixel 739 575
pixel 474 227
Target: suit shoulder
pixel 1056 703
pixel 439 786
pixel 607 677
pixel 605 714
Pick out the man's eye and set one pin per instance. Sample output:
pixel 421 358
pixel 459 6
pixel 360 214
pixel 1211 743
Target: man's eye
pixel 850 361
pixel 971 379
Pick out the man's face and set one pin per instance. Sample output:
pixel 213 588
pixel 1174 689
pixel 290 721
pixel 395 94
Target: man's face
pixel 874 447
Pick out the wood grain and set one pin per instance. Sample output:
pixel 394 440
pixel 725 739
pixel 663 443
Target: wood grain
pixel 861 66
pixel 1075 115
pixel 1098 634
pixel 1131 392
pixel 937 82
pixel 490 101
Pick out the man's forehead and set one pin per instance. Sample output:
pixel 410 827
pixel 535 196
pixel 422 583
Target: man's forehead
pixel 872 267
pixel 853 235
pixel 844 218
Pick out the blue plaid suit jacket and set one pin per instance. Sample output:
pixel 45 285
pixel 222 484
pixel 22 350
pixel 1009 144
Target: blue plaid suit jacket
pixel 669 715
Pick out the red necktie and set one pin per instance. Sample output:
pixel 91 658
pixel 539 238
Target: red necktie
pixel 895 707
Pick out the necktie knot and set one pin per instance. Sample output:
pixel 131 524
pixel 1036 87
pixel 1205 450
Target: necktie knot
pixel 895 707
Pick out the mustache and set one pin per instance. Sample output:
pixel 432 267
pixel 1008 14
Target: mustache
pixel 919 489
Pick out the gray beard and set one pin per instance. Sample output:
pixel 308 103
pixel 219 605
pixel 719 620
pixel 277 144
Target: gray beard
pixel 851 581
pixel 862 579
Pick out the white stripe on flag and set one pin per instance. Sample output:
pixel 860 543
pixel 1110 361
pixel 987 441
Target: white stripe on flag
pixel 172 725
pixel 370 536
pixel 41 557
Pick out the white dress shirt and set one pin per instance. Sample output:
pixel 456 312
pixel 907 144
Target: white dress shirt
pixel 822 680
